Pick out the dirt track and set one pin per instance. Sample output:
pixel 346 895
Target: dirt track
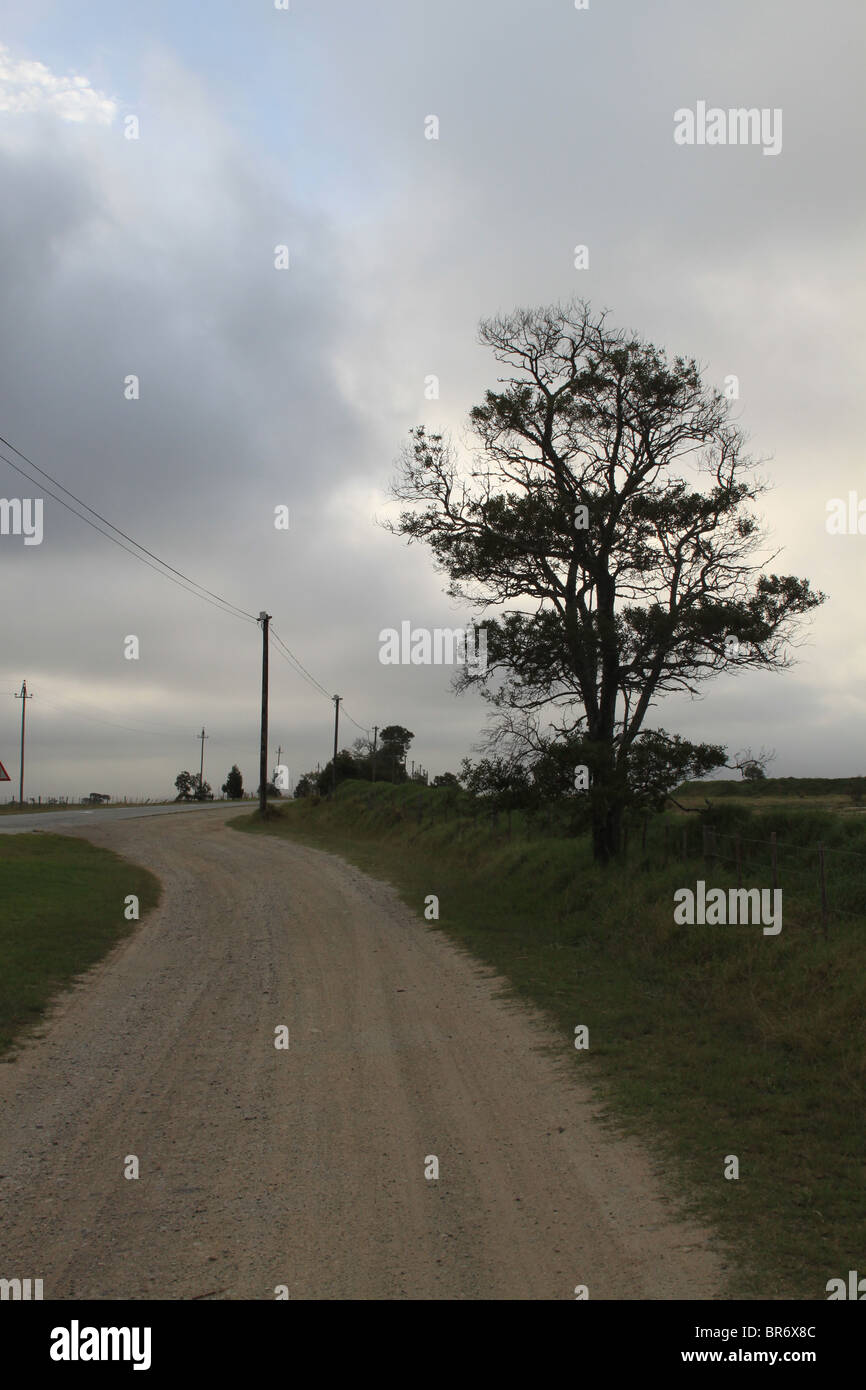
pixel 305 1167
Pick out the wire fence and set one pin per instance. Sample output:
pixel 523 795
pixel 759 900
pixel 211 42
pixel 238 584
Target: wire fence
pixel 831 879
pixel 834 878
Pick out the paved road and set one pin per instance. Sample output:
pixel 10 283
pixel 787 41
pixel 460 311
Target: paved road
pixel 12 823
pixel 306 1167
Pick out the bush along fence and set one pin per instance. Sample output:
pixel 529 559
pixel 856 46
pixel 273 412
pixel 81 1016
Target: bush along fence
pixel 828 878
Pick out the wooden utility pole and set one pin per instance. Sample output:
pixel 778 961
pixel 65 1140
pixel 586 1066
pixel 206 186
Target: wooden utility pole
pixel 375 739
pixel 202 736
pixel 337 699
pixel 23 697
pixel 264 619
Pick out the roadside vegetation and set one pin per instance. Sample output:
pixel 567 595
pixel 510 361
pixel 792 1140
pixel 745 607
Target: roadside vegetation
pixel 62 911
pixel 707 1041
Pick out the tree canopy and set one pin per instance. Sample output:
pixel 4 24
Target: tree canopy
pixel 233 786
pixel 606 508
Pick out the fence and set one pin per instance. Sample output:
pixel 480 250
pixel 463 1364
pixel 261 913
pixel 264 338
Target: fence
pixel 814 869
pixel 837 877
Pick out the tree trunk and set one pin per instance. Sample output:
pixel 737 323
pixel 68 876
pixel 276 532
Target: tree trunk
pixel 608 801
pixel 607 833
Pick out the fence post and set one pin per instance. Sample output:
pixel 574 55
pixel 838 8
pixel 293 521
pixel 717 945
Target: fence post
pixel 773 860
pixel 823 889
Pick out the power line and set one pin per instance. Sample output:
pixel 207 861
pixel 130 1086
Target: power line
pixel 183 581
pixel 101 719
pixel 302 670
pixel 224 603
pixel 301 666
pixel 298 671
pixel 355 722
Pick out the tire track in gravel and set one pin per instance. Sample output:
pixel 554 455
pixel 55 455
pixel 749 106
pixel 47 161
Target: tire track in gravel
pixel 305 1167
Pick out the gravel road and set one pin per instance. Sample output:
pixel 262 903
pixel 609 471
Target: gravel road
pixel 305 1167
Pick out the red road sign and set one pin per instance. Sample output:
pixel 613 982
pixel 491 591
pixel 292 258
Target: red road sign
pixel 4 775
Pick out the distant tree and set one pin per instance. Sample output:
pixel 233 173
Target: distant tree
pixel 752 766
pixel 347 770
pixel 503 782
pixel 446 779
pixel 306 785
pixel 201 790
pixel 391 753
pixel 753 772
pixel 184 781
pixel 233 786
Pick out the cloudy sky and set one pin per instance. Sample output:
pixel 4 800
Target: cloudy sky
pixel 259 127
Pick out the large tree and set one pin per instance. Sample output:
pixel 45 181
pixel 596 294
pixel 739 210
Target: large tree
pixel 606 511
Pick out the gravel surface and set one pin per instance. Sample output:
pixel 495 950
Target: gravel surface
pixel 305 1167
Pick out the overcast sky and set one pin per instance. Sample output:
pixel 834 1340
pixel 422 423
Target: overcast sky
pixel 260 127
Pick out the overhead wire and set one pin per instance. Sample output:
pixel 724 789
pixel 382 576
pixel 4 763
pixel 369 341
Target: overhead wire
pixel 311 678
pixel 355 722
pixel 241 612
pixel 101 719
pixel 162 567
pixel 301 666
pixel 219 605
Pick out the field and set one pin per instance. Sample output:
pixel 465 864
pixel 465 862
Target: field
pixel 710 1042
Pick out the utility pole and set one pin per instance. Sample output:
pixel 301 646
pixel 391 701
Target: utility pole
pixel 23 697
pixel 264 619
pixel 277 767
pixel 375 738
pixel 202 736
pixel 337 699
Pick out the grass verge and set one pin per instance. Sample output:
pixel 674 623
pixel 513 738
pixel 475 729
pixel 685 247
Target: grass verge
pixel 61 910
pixel 706 1041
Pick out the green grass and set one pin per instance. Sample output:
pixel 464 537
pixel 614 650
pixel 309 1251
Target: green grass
pixel 61 910
pixel 832 793
pixel 706 1041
